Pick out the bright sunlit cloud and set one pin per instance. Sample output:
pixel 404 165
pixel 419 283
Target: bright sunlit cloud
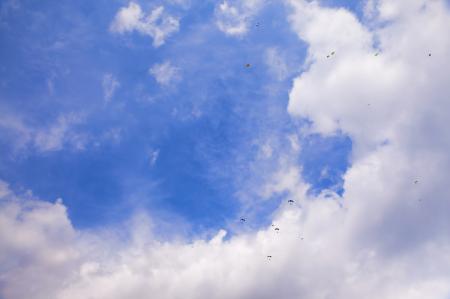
pixel 157 24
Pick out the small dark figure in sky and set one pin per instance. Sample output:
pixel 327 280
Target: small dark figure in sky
pixel 429 55
pixel 277 229
pixel 242 219
pixel 290 201
pixel 269 257
pixel 416 182
pixel 247 65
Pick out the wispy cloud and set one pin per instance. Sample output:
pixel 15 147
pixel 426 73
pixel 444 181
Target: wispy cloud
pixel 276 63
pixel 165 73
pixel 157 24
pixel 235 17
pixel 110 85
pixel 54 137
pixel 60 133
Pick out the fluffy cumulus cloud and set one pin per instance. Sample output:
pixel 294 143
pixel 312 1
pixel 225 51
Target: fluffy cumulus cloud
pixel 165 73
pixel 235 17
pixel 388 236
pixel 157 24
pixel 36 237
pixel 386 88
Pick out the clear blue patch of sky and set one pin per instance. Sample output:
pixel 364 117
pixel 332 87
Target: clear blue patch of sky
pixel 53 60
pixel 325 160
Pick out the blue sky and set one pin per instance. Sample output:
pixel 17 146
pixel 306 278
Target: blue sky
pixel 135 136
pixel 203 126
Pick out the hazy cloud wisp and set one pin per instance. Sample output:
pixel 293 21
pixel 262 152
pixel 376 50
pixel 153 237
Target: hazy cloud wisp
pixel 157 24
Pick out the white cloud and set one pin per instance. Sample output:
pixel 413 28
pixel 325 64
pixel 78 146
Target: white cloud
pixel 327 30
pixel 14 131
pixel 315 255
pixel 157 24
pixel 387 89
pixel 394 106
pixel 109 85
pixel 59 134
pixel 36 240
pixel 165 73
pixel 234 17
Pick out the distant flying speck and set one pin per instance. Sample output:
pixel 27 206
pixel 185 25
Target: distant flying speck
pixel 332 53
pixel 242 219
pixel 248 65
pixel 429 54
pixel 376 54
pixel 290 201
pixel 277 229
pixel 416 181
